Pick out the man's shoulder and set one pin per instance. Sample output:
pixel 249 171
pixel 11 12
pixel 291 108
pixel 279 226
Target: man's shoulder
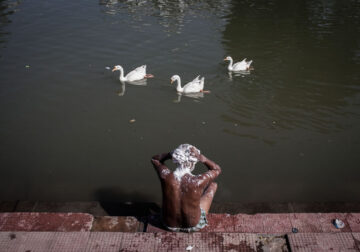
pixel 193 181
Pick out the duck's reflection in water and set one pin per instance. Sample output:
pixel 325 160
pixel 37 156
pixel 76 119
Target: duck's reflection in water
pixel 238 74
pixel 190 95
pixel 121 92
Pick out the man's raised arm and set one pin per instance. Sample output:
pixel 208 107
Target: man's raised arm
pixel 212 173
pixel 158 162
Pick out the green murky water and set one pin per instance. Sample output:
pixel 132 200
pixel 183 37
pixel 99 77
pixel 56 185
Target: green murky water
pixel 288 131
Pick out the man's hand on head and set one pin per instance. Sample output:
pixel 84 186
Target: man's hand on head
pixel 196 153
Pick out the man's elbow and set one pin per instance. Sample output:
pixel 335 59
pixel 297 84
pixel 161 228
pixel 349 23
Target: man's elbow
pixel 155 162
pixel 156 157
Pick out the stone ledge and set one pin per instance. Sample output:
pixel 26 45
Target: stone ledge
pixel 117 241
pixel 272 223
pixel 239 223
pixel 65 222
pixel 323 242
pixel 117 224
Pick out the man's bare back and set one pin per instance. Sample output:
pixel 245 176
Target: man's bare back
pixel 186 197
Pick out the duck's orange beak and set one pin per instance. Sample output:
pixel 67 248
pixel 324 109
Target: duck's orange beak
pixel 171 81
pixel 114 69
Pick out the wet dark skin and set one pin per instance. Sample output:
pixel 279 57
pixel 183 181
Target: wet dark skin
pixel 182 199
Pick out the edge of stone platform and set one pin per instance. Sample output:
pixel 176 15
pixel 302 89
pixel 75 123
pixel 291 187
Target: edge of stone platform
pixel 144 217
pixel 284 223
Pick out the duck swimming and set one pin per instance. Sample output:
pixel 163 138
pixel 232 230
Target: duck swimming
pixel 194 86
pixel 135 75
pixel 238 66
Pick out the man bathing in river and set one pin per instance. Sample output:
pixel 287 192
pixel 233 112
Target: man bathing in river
pixel 186 197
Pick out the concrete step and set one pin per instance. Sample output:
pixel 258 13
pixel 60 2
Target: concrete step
pixel 273 223
pixel 118 241
pixel 324 242
pixel 147 242
pixel 240 223
pixel 46 222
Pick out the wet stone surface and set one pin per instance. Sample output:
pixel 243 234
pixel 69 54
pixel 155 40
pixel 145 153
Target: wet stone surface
pixel 225 223
pixel 45 222
pixel 119 241
pixel 322 242
pixel 117 224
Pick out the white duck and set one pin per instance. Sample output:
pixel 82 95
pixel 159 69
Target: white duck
pixel 194 86
pixel 135 75
pixel 238 66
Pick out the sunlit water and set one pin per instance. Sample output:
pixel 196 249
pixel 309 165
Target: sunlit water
pixel 288 131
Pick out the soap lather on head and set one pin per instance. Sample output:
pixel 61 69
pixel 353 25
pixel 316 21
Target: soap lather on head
pixel 183 156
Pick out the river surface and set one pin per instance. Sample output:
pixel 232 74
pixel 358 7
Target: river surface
pixel 287 131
